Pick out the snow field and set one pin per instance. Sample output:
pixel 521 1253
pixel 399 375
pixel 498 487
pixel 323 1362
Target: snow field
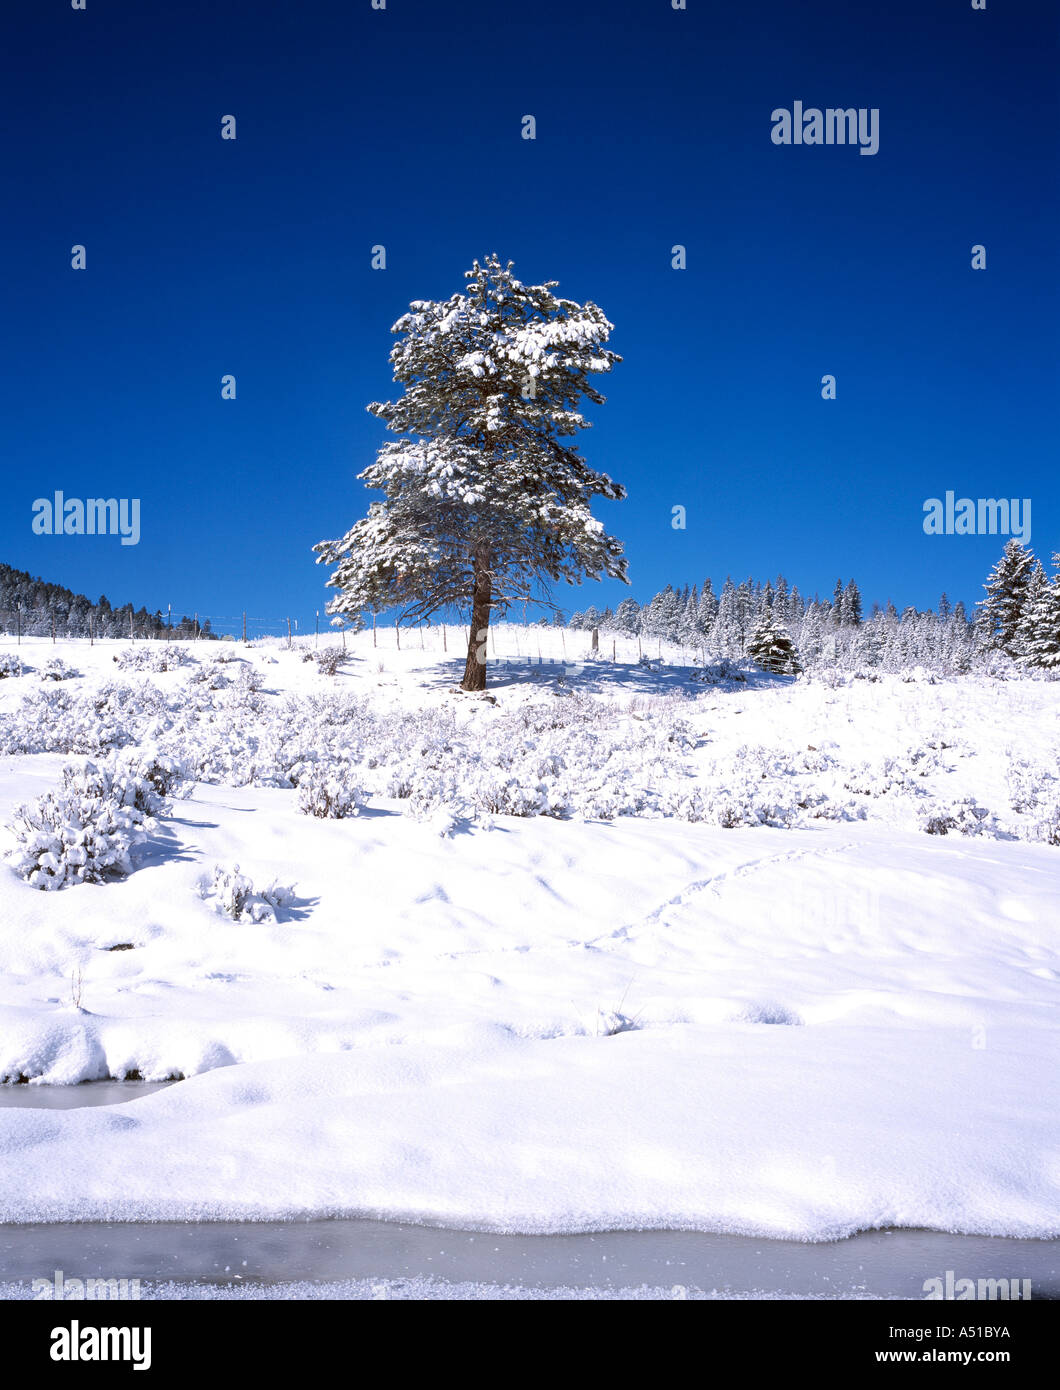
pixel 820 1020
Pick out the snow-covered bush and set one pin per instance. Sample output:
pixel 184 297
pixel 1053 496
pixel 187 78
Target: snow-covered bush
pixel 1048 828
pixel 1028 784
pixel 210 675
pixel 325 790
pixel 611 1022
pixel 235 895
pixel 888 775
pixel 52 720
pixel 329 659
pixel 56 669
pixel 509 796
pixel 83 833
pixel 964 815
pixel 244 687
pixel 722 672
pixel 150 657
pixel 10 666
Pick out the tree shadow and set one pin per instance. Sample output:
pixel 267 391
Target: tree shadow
pixel 600 675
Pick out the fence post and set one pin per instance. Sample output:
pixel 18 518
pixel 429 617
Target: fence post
pixel 288 634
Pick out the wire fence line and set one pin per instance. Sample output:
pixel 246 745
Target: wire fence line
pixel 521 640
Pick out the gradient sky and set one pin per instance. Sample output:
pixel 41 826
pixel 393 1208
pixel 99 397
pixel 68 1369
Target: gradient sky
pixel 402 127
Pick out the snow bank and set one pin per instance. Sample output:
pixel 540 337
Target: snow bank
pixel 758 1131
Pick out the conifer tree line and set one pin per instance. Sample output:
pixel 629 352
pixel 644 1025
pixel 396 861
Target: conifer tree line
pixel 773 624
pixel 37 609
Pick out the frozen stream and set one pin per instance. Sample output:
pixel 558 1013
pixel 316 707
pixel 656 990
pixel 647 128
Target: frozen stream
pixel 882 1264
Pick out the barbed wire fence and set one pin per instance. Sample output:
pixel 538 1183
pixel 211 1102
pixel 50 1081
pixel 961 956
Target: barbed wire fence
pixel 194 624
pixel 525 641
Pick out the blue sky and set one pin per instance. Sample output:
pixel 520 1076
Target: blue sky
pixel 402 127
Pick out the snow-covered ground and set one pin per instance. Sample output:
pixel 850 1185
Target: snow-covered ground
pixel 726 981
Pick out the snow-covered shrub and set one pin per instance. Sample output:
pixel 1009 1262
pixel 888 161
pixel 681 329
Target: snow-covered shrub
pixel 750 805
pixel 145 778
pixel 83 833
pixel 964 815
pixel 244 687
pixel 329 659
pixel 890 774
pixel 610 1022
pixel 56 669
pixel 431 813
pixel 10 666
pixel 770 1013
pixel 1047 830
pixel 1028 784
pixel 52 720
pixel 721 672
pixel 210 676
pixel 236 897
pixel 509 796
pixel 325 790
pixel 151 657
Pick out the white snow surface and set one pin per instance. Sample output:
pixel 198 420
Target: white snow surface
pixel 547 1023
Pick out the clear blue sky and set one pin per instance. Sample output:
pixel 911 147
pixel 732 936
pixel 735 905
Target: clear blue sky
pixel 402 127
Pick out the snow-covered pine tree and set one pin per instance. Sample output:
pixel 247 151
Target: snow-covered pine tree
pixel 770 646
pixel 837 604
pixel 708 608
pixel 852 604
pixel 780 599
pixel 1037 583
pixel 627 616
pixel 687 622
pixel 726 636
pixel 659 618
pixel 485 499
pixel 1040 627
pixel 744 608
pixel 811 641
pixel 1006 592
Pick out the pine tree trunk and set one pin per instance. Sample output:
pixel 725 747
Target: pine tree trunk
pixel 474 668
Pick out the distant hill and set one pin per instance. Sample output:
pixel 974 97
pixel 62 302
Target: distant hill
pixel 74 615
